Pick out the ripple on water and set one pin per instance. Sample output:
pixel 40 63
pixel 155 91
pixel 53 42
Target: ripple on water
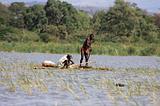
pixel 86 92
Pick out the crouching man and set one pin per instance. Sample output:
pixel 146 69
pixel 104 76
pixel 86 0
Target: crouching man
pixel 65 61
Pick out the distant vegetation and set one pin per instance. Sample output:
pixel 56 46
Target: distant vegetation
pixel 58 22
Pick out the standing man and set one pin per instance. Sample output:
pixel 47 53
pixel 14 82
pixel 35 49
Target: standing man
pixel 86 49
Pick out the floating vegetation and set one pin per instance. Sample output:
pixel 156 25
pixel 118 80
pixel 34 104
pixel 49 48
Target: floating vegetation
pixel 83 68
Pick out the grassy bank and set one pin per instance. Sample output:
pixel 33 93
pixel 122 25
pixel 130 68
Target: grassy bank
pixel 103 48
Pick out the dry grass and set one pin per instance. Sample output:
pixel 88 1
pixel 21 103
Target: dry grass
pixel 140 82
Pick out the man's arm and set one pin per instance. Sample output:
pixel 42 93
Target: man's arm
pixel 88 42
pixel 92 41
pixel 71 62
pixel 64 64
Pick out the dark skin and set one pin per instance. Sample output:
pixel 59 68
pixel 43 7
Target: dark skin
pixel 86 49
pixel 68 62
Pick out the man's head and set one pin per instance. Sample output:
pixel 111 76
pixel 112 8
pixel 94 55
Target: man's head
pixel 69 57
pixel 91 36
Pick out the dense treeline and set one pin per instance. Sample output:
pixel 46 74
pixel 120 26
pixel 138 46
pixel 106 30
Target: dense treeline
pixel 126 22
pixel 57 20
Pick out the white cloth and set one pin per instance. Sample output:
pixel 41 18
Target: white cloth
pixel 48 63
pixel 61 60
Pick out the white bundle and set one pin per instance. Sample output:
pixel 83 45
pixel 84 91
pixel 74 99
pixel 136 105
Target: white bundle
pixel 48 63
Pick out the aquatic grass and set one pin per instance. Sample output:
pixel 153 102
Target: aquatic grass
pixel 130 90
pixel 25 80
pixel 22 75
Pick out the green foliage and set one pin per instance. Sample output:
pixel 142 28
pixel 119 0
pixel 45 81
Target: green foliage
pixel 17 7
pixel 4 14
pixel 103 48
pixel 124 20
pixel 96 20
pixel 131 50
pixel 119 20
pixel 59 21
pixel 13 34
pixel 82 21
pixel 157 19
pixel 59 13
pixel 62 32
pixel 35 18
pixel 53 12
pixel 148 51
pixel 3 32
pixel 63 13
pixel 17 10
pixel 44 37
pixel 53 31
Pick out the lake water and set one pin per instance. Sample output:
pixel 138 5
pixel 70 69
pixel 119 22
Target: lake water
pixel 95 60
pixel 139 74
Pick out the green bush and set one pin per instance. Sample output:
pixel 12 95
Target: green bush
pixel 13 34
pixel 51 29
pixel 148 51
pixel 29 36
pixel 131 51
pixel 62 32
pixel 44 37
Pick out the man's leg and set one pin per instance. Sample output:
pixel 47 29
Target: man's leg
pixel 89 52
pixel 86 58
pixel 82 54
pixel 65 64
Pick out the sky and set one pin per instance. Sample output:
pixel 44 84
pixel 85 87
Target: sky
pixel 149 5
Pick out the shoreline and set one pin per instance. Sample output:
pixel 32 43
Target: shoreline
pixel 103 48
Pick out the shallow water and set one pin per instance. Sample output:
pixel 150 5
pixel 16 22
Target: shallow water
pixel 82 88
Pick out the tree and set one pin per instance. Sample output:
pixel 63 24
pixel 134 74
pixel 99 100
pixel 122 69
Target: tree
pixel 35 18
pixel 53 12
pixel 125 20
pixel 50 32
pixel 157 19
pixel 96 20
pixel 17 10
pixel 119 21
pixel 157 22
pixel 63 13
pixel 4 20
pixel 17 7
pixel 4 14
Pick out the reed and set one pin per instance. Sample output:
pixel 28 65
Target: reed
pixel 22 76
